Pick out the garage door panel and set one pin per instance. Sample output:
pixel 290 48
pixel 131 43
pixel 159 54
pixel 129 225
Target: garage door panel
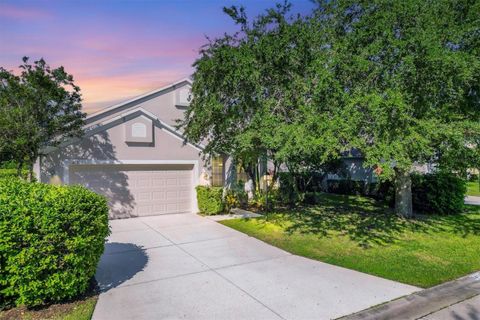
pixel 136 190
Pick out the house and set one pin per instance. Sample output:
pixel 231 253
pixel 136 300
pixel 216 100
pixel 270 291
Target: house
pixel 132 154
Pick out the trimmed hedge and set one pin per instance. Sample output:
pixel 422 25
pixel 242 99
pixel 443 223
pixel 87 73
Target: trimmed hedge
pixel 439 193
pixel 210 199
pixel 51 239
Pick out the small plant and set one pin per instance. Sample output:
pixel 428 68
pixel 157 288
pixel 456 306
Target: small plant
pixel 231 201
pixel 210 200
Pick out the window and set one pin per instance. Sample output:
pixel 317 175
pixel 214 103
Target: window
pixel 139 130
pixel 183 97
pixel 217 172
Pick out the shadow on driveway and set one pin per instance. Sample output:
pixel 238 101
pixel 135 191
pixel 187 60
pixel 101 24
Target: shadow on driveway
pixel 119 263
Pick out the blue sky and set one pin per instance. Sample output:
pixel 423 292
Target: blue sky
pixel 117 49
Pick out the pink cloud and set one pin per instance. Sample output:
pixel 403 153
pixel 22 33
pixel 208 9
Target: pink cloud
pixel 13 12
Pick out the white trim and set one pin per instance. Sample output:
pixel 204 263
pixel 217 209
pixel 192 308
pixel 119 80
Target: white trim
pixel 95 114
pixel 195 171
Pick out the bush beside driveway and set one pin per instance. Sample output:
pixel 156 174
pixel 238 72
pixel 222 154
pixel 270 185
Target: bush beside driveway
pixel 51 239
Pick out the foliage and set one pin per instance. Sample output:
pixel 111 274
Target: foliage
pixel 250 95
pixel 387 78
pixel 410 81
pixel 231 201
pixel 38 108
pixel 11 173
pixel 439 193
pixel 363 234
pixel 51 239
pixel 235 198
pixel 210 200
pixel 263 201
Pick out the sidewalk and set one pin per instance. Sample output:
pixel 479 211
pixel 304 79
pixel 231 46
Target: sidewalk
pixel 472 200
pixel 459 296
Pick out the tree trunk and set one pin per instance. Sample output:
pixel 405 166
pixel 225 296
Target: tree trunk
pixel 19 169
pixel 403 194
pixel 30 172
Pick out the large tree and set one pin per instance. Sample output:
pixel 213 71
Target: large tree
pixel 397 80
pixel 252 94
pixel 39 108
pixel 409 71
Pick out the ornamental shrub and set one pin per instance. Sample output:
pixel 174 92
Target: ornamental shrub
pixel 51 239
pixel 438 193
pixel 210 200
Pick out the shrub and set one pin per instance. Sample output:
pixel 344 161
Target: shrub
pixel 235 198
pixel 262 201
pixel 12 173
pixel 210 200
pixel 439 193
pixel 350 187
pixel 51 239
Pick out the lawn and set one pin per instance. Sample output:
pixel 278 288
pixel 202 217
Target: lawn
pixel 362 234
pixel 78 310
pixel 473 188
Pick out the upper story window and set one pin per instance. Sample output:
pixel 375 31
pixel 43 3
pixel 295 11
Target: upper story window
pixel 183 97
pixel 139 130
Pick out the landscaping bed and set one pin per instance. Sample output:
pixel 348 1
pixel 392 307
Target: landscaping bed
pixel 363 234
pixel 80 309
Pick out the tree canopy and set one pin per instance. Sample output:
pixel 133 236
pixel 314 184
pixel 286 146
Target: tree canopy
pixel 396 80
pixel 39 108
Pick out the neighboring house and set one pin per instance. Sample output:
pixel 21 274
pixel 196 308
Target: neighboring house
pixel 132 154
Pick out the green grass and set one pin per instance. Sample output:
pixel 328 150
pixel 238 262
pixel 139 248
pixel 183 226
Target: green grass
pixel 473 189
pixel 362 234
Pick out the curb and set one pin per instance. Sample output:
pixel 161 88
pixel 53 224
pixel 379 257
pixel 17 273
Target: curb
pixel 423 303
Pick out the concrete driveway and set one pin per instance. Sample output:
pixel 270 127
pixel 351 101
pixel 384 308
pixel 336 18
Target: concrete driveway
pixel 188 267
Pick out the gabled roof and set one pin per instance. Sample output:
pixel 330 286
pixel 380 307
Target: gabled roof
pixel 96 115
pixel 103 125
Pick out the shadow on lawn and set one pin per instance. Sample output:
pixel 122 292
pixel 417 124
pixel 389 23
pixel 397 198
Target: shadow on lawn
pixel 366 221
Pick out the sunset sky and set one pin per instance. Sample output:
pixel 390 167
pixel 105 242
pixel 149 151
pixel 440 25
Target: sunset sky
pixel 116 49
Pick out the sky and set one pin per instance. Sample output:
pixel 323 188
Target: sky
pixel 117 49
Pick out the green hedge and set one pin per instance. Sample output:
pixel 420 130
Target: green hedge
pixel 11 173
pixel 440 193
pixel 51 239
pixel 210 200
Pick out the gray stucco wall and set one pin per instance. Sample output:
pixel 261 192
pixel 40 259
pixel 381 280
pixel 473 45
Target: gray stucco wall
pixel 111 141
pixel 110 145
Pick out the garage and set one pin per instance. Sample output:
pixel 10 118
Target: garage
pixel 136 190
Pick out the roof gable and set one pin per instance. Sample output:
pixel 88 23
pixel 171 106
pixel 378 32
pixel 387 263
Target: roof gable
pixel 112 110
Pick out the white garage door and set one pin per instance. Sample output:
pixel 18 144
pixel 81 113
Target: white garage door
pixel 139 190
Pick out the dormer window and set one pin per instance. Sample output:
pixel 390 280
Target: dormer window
pixel 183 97
pixel 139 130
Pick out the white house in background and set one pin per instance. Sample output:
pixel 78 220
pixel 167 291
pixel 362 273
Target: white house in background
pixel 132 154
